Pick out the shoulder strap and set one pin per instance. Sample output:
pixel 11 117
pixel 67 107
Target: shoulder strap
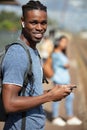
pixel 1 60
pixel 44 80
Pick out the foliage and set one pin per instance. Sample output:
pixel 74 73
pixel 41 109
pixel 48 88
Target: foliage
pixel 9 21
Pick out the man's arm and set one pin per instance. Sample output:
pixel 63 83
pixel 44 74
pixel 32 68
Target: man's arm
pixel 14 103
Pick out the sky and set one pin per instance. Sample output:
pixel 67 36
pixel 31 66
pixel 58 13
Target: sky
pixel 71 14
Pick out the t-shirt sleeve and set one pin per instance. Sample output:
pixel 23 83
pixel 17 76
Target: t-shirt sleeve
pixel 14 65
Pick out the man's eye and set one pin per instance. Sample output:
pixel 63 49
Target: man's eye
pixel 34 22
pixel 44 22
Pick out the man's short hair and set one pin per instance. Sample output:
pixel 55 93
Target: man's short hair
pixel 31 5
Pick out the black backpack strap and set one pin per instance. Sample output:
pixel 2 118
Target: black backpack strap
pixel 44 80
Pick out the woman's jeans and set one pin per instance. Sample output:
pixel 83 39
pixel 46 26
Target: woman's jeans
pixel 68 106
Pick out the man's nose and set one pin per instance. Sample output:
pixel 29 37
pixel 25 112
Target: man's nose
pixel 39 27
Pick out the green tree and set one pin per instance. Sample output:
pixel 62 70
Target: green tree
pixel 9 21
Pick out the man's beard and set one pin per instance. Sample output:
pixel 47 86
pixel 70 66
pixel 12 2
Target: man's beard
pixel 29 39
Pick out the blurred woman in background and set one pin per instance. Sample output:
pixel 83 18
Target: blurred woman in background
pixel 60 63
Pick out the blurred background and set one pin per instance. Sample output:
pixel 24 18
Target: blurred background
pixel 65 17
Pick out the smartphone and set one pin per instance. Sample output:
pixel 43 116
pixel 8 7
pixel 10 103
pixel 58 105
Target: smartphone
pixel 72 87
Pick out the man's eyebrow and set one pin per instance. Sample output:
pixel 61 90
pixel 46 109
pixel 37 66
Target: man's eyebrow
pixel 34 20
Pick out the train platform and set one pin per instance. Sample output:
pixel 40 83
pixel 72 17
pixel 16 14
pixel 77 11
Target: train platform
pixel 80 104
pixel 79 107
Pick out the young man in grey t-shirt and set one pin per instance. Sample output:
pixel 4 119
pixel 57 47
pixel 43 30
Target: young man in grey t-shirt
pixel 34 24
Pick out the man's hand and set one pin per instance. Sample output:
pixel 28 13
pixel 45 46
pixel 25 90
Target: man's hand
pixel 59 92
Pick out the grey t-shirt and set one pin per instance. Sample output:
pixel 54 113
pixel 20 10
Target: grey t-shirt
pixel 14 67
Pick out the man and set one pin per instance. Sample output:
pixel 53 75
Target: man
pixel 15 63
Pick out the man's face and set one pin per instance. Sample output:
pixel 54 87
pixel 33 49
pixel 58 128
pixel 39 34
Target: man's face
pixel 35 24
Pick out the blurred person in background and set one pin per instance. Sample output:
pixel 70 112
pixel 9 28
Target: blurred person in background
pixel 46 47
pixel 60 64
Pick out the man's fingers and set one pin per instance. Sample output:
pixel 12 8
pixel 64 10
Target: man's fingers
pixel 70 86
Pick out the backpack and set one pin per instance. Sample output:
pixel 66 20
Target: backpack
pixel 47 67
pixel 2 111
pixel 28 77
